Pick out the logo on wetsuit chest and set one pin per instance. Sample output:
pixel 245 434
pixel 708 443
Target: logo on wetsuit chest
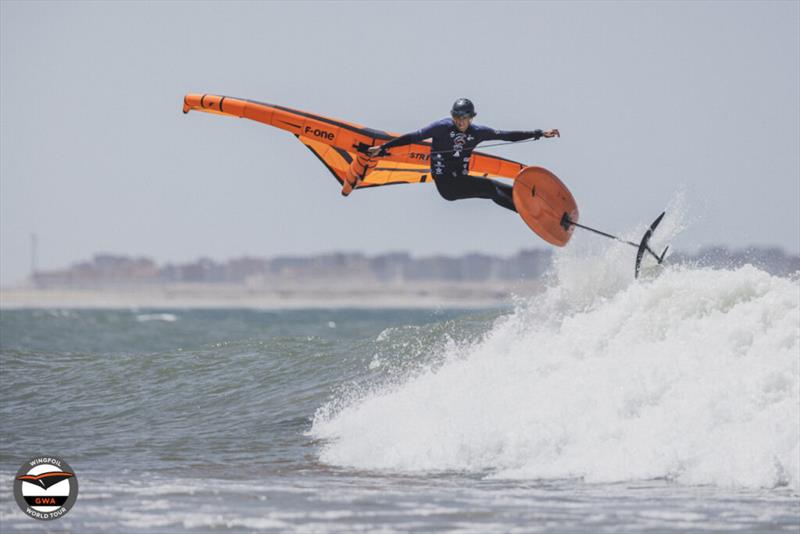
pixel 459 140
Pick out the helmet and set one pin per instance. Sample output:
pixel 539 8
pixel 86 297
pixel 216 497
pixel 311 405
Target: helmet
pixel 463 107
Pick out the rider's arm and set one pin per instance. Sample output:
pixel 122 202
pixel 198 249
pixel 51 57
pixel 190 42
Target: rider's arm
pixel 413 137
pixel 490 134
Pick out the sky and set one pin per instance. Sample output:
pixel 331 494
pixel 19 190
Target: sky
pixel 654 100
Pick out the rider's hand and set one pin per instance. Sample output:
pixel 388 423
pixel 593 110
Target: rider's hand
pixel 374 150
pixel 551 133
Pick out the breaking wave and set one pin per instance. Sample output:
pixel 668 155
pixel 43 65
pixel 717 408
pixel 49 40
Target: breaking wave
pixel 691 375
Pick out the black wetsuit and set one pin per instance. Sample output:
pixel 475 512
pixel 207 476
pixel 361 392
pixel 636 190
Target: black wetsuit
pixel 450 153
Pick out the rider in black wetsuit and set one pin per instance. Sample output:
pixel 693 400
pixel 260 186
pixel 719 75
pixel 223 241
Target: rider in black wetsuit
pixel 453 141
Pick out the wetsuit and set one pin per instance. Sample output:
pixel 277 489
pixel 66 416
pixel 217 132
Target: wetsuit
pixel 450 154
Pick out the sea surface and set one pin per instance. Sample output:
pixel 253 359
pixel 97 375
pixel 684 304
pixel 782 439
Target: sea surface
pixel 670 404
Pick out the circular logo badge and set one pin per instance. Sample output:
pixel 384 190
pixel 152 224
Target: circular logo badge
pixel 45 487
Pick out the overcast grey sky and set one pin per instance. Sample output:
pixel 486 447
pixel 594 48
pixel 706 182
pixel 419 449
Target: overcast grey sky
pixel 650 97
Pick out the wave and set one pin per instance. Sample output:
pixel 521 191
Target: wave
pixel 691 375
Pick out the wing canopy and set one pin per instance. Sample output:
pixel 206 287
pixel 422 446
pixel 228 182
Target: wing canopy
pixel 385 172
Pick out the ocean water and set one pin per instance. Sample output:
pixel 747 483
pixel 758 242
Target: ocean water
pixel 670 404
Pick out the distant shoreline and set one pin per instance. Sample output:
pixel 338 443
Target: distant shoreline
pixel 187 296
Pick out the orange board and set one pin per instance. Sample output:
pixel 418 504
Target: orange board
pixel 542 200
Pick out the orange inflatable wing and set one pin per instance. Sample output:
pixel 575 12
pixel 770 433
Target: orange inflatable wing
pixel 384 172
pixel 487 165
pixel 341 145
pixel 335 160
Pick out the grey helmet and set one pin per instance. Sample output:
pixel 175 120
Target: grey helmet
pixel 463 107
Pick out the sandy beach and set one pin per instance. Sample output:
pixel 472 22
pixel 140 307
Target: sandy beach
pixel 306 295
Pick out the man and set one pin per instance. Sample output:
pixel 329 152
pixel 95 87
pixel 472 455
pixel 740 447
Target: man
pixel 453 142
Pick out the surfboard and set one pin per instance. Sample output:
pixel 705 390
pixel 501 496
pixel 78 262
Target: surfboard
pixel 545 204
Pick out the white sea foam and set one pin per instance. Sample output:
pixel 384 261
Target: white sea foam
pixel 165 317
pixel 692 375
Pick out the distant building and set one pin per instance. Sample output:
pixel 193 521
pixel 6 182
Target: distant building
pixel 108 270
pixel 102 270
